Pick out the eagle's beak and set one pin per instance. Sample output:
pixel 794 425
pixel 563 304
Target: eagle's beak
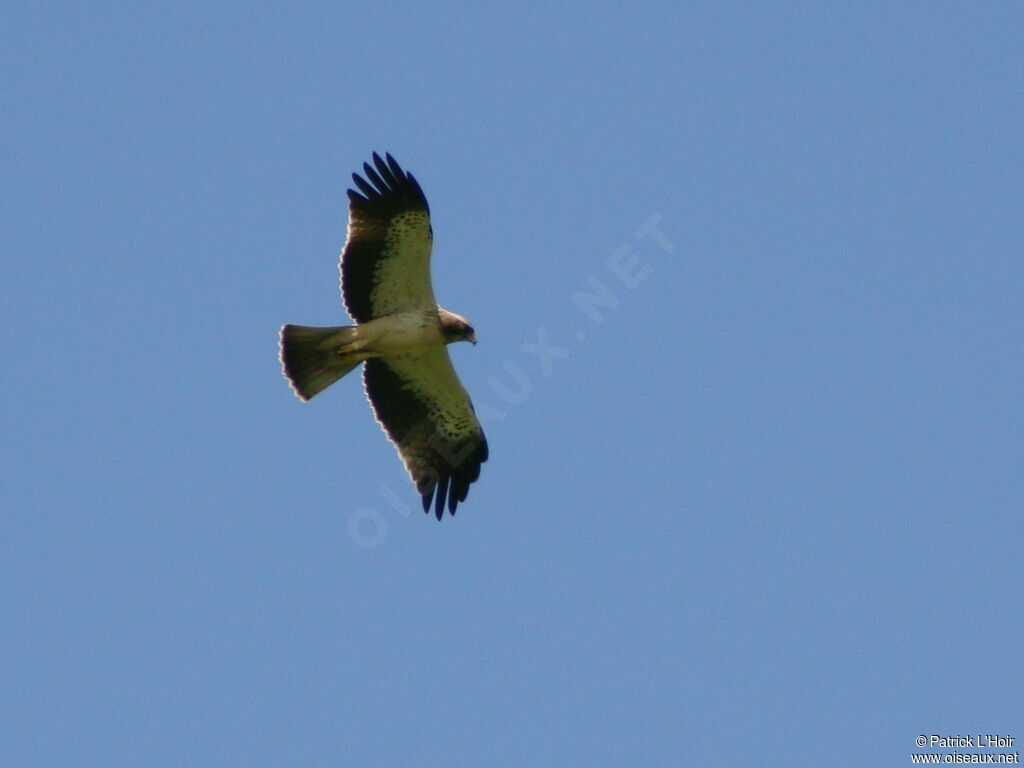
pixel 472 340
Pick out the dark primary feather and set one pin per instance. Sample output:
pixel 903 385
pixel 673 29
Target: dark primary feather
pixel 388 193
pixel 442 464
pixel 390 189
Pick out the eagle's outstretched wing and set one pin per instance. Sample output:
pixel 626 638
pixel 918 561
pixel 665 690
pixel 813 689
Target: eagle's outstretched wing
pixel 385 264
pixel 427 414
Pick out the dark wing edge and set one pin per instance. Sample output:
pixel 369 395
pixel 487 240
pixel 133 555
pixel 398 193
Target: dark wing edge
pixel 388 192
pixel 441 461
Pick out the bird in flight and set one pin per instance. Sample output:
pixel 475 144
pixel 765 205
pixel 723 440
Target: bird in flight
pixel 400 337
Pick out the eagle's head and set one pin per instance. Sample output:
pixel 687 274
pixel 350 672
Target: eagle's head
pixel 455 327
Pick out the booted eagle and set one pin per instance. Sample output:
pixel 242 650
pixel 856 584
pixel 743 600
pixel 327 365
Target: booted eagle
pixel 400 337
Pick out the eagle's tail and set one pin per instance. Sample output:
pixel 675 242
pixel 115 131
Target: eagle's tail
pixel 315 358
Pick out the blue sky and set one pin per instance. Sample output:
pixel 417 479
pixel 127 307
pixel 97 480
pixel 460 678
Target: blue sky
pixel 761 507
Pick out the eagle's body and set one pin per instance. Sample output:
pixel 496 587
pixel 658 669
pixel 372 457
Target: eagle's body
pixel 400 335
pixel 404 332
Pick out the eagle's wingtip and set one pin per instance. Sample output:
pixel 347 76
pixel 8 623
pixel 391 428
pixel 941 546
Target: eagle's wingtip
pixel 436 498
